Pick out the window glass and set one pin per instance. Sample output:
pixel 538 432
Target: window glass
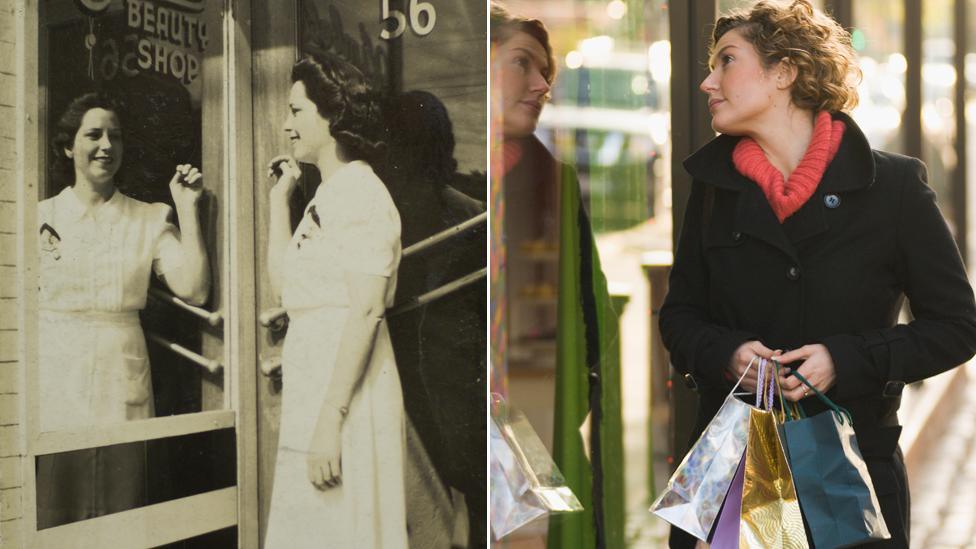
pixel 609 120
pixel 878 38
pixel 162 63
pixel 939 80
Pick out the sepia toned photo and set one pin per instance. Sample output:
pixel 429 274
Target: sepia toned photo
pixel 246 283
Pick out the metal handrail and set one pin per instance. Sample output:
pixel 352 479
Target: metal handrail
pixel 213 366
pixel 437 293
pixel 270 316
pixel 211 317
pixel 437 238
pixel 271 367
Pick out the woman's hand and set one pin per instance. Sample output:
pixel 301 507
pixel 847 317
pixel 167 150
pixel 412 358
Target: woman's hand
pixel 186 188
pixel 286 169
pixel 325 452
pixel 741 358
pixel 817 368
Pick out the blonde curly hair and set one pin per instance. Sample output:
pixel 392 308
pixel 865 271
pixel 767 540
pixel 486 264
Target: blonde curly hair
pixel 827 73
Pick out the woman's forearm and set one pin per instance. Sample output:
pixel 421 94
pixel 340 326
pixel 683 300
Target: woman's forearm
pixel 366 310
pixel 355 347
pixel 279 235
pixel 191 281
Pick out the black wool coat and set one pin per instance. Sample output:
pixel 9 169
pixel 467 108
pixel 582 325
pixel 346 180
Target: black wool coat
pixel 836 272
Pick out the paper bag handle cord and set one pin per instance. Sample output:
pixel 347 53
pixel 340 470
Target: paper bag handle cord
pixel 744 372
pixel 843 412
pixel 791 410
pixel 760 382
pixel 770 388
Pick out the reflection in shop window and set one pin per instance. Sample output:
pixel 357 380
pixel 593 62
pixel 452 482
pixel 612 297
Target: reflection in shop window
pixel 114 345
pixel 609 118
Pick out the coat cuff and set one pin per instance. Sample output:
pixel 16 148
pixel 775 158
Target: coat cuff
pixel 856 374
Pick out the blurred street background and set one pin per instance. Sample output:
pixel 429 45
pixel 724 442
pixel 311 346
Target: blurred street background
pixel 625 111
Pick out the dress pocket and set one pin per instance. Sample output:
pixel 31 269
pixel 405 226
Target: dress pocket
pixel 138 381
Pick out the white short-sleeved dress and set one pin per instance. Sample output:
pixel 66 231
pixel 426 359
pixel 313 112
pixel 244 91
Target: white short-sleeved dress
pixel 351 225
pixel 94 369
pixel 94 276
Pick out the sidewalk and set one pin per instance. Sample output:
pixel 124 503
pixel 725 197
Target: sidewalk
pixel 944 483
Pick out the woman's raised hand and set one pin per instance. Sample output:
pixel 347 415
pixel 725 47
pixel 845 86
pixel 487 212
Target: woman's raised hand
pixel 325 452
pixel 817 368
pixel 186 187
pixel 285 168
pixel 741 359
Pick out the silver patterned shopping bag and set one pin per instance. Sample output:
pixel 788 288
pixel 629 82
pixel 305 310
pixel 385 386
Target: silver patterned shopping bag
pixel 694 494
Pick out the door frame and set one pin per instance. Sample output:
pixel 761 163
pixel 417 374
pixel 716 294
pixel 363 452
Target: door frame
pixel 189 516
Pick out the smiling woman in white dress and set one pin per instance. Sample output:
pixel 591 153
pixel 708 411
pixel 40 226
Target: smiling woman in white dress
pixel 97 247
pixel 339 470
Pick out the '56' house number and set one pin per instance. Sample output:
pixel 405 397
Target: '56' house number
pixel 421 26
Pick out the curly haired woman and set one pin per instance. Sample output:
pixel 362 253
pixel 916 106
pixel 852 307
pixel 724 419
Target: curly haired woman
pixel 802 242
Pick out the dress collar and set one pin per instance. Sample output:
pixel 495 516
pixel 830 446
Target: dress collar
pixel 109 212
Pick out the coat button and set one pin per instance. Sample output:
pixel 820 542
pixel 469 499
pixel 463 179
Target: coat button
pixel 793 273
pixel 736 236
pixel 831 201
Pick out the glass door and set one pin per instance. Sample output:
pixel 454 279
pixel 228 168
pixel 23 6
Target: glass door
pixel 162 467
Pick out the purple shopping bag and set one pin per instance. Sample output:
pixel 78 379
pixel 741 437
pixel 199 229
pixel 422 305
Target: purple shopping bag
pixel 726 533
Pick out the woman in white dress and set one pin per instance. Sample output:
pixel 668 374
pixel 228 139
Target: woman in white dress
pixel 97 247
pixel 339 470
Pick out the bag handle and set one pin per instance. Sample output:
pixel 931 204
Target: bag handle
pixel 744 372
pixel 760 383
pixel 765 386
pixel 792 411
pixel 840 411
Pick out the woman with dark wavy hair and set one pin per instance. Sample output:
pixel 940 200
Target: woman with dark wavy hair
pixel 339 479
pixel 98 251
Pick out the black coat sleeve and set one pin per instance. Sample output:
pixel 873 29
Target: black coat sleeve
pixel 943 333
pixel 697 345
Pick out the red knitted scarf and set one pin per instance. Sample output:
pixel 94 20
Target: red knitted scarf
pixel 787 197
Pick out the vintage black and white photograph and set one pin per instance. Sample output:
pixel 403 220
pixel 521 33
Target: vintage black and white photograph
pixel 249 293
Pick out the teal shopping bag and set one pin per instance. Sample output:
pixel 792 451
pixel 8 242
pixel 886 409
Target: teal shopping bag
pixel 836 495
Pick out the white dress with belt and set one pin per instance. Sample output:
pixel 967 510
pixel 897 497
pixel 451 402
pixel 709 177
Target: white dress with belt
pixel 351 225
pixel 94 276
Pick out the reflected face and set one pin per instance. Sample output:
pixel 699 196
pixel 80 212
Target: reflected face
pixel 741 93
pixel 519 86
pixel 307 130
pixel 97 149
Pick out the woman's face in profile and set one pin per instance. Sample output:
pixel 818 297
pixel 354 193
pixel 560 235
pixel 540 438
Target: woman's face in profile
pixel 307 130
pixel 519 86
pixel 97 149
pixel 740 91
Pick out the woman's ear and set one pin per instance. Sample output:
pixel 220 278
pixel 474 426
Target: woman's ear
pixel 69 153
pixel 785 73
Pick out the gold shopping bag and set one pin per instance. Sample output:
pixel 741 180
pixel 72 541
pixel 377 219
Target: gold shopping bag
pixel 771 516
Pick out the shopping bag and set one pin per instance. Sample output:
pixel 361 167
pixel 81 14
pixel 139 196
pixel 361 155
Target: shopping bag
pixel 770 510
pixel 726 533
pixel 695 492
pixel 525 482
pixel 835 491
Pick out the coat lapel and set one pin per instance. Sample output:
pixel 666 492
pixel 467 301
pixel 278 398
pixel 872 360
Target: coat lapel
pixel 755 217
pixel 808 222
pixel 712 164
pixel 851 170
